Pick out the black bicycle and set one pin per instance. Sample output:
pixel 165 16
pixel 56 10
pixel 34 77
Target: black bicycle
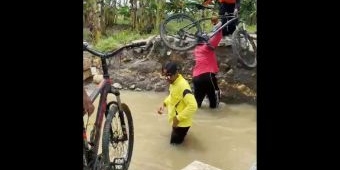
pixel 182 32
pixel 118 132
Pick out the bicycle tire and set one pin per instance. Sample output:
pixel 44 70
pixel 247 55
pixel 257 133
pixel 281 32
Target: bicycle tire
pixel 166 40
pixel 107 136
pixel 247 56
pixel 85 167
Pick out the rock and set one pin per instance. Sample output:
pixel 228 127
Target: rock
pixel 141 78
pixel 96 62
pixel 86 63
pixel 159 87
pixel 117 85
pixel 87 74
pixel 98 78
pixel 148 87
pixel 241 87
pixel 146 66
pixel 224 67
pixel 142 84
pixel 125 60
pixel 132 87
pixel 138 89
pixel 230 72
pixel 138 50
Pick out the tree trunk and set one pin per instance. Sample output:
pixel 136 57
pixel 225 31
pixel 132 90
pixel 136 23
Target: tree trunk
pixel 133 13
pixel 94 21
pixel 102 17
pixel 141 16
pixel 160 12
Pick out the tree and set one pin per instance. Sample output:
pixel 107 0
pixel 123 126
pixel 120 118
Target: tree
pixel 93 20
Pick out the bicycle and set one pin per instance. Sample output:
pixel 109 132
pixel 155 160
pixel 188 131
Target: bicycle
pixel 118 131
pixel 186 33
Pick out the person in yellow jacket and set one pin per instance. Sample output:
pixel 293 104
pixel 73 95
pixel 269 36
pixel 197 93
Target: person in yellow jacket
pixel 180 103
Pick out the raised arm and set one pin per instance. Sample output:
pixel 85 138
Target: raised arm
pixel 238 4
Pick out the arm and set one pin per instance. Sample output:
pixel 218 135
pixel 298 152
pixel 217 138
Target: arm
pixel 165 103
pixel 190 109
pixel 238 4
pixel 215 40
pixel 87 104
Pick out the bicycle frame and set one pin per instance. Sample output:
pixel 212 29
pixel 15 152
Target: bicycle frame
pixel 104 88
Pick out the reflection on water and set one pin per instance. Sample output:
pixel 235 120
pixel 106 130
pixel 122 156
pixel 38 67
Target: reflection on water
pixel 224 137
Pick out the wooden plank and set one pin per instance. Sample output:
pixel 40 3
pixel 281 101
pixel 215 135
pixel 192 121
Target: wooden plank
pixel 197 165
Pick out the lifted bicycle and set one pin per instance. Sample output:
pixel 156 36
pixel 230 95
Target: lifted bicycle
pixel 182 32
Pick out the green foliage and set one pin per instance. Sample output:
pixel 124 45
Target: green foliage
pixel 182 6
pixel 123 20
pixel 251 28
pixel 86 35
pixel 112 42
pixel 248 11
pixel 124 11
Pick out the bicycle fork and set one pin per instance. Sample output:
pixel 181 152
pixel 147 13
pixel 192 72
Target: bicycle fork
pixel 246 37
pixel 120 112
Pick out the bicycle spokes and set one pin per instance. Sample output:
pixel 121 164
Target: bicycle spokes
pixel 244 47
pixel 119 143
pixel 180 32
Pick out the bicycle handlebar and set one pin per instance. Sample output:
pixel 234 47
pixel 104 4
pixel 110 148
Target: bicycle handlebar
pixel 113 53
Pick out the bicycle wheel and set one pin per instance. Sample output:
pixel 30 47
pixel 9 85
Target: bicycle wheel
pixel 244 48
pixel 117 147
pixel 179 31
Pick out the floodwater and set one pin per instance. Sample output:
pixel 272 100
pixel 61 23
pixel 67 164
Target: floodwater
pixel 224 138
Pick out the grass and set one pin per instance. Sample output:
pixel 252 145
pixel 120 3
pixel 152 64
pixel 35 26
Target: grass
pixel 120 35
pixel 251 28
pixel 113 41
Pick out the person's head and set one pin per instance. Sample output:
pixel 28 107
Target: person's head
pixel 170 71
pixel 202 39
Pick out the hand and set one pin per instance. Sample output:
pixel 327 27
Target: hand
pixel 218 25
pixel 214 19
pixel 88 105
pixel 235 11
pixel 175 122
pixel 160 110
